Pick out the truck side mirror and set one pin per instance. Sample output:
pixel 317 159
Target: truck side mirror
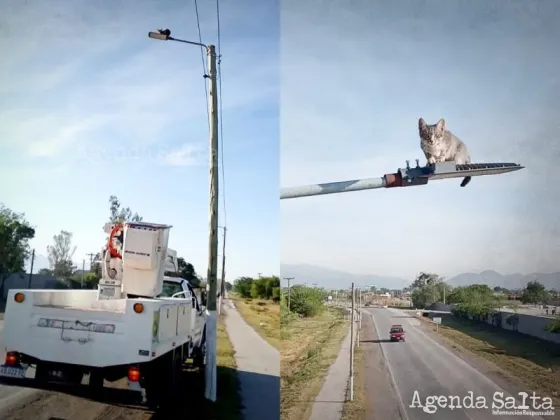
pixel 203 298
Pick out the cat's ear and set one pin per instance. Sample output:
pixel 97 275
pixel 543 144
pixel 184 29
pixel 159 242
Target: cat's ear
pixel 421 124
pixel 441 125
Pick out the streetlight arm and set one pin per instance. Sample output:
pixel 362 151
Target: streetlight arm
pixel 165 36
pixel 404 177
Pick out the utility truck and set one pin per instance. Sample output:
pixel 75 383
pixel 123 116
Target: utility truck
pixel 139 324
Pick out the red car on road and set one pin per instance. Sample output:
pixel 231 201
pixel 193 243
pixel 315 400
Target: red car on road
pixel 397 333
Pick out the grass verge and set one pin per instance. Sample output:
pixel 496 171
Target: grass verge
pixel 263 316
pixel 524 359
pixel 356 409
pixel 309 347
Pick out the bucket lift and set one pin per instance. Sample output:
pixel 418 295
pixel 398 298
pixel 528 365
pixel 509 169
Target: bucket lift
pixel 134 260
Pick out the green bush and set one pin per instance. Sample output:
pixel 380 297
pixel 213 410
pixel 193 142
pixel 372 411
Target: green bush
pixel 261 288
pixel 307 301
pixel 554 326
pixel 286 317
pixel 276 294
pixel 243 286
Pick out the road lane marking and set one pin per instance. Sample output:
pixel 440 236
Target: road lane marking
pixel 471 368
pixel 402 407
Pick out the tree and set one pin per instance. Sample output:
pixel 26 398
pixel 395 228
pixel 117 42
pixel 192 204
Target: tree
pixel 117 214
pixel 85 281
pixel 499 289
pixel 427 289
pixel 243 285
pixel 229 286
pixel 15 233
pixel 426 279
pixel 534 292
pixel 258 288
pixel 120 214
pixel 307 301
pixel 45 272
pixel 187 271
pixel 476 301
pixel 61 253
pixel 425 296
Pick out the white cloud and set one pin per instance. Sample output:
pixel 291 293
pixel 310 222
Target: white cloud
pixel 88 79
pixel 186 155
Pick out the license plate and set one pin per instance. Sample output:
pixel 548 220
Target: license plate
pixel 12 371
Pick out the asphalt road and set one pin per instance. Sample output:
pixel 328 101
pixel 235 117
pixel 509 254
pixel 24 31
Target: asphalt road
pixel 422 366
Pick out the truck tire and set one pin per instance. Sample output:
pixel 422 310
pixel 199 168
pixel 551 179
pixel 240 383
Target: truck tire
pixel 74 377
pixel 199 359
pixel 176 371
pixel 96 380
pixel 41 373
pixel 152 385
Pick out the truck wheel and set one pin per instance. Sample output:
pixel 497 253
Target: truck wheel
pixel 74 377
pixel 175 375
pixel 153 390
pixel 96 380
pixel 41 373
pixel 199 359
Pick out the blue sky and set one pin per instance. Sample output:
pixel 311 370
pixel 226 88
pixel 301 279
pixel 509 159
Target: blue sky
pixel 356 76
pixel 90 106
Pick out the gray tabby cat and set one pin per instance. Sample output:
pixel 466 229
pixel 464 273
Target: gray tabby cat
pixel 440 145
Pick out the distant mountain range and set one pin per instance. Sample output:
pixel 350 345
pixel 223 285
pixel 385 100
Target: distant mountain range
pixel 333 279
pixel 508 281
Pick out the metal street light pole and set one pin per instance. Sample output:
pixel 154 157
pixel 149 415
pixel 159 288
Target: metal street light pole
pixel 352 347
pixel 212 273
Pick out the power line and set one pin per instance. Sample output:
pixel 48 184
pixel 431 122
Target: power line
pixel 220 110
pixel 203 61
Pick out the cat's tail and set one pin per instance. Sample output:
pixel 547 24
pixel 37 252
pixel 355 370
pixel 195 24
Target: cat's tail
pixel 466 180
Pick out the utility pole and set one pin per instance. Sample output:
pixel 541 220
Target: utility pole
pixel 359 315
pixel 223 283
pixel 90 255
pixel 212 273
pixel 288 278
pixel 83 273
pixel 31 270
pixel 348 301
pixel 259 274
pixel 211 323
pixel 352 348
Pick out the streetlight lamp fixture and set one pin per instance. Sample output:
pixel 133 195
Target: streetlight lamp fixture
pixel 165 35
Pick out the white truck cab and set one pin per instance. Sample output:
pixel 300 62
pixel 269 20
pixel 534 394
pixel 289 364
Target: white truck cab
pixel 139 323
